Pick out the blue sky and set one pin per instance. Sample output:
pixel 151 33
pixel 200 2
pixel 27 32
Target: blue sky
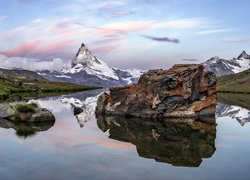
pixel 125 33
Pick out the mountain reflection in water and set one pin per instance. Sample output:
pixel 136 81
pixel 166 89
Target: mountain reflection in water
pixel 41 151
pixel 180 142
pixel 236 106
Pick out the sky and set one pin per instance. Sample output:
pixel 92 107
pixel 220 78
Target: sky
pixel 145 34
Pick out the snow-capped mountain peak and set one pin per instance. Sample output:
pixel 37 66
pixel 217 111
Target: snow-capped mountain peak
pixel 89 70
pixel 87 62
pixel 243 55
pixel 84 56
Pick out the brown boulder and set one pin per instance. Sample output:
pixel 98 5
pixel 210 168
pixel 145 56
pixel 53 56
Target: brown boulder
pixel 185 90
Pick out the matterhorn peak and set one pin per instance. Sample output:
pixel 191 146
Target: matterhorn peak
pixel 243 55
pixel 84 57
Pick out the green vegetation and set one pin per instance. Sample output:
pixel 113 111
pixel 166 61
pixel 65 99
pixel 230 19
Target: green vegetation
pixel 235 83
pixel 26 108
pixel 22 109
pixel 242 100
pixel 7 87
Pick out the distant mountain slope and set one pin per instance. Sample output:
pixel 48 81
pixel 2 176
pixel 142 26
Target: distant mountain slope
pixel 87 69
pixel 20 74
pixel 239 82
pixel 223 67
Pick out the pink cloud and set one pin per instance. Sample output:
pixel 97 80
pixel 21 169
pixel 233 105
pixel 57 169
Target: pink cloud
pixel 62 24
pixel 22 49
pixel 36 47
pixel 105 40
pixel 56 47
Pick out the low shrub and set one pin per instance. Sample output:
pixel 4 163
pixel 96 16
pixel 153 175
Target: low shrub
pixel 25 108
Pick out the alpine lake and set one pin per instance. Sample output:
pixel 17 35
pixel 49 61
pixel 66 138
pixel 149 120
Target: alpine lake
pixel 83 146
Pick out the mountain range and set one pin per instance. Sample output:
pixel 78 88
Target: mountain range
pixel 88 69
pixel 223 67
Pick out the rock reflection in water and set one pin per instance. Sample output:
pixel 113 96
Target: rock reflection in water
pixel 174 141
pixel 25 130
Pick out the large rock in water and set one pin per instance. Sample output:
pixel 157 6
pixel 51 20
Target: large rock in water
pixel 185 90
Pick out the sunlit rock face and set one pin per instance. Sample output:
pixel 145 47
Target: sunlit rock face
pixel 180 142
pixel 182 91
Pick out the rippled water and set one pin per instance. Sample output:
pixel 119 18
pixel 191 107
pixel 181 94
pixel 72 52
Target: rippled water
pixel 82 147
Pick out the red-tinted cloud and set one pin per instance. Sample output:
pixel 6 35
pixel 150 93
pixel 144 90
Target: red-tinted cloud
pixel 36 48
pixel 22 49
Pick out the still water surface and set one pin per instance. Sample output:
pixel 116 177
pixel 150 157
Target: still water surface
pixel 82 146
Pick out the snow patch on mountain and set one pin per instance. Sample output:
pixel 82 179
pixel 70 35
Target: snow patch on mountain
pixel 99 69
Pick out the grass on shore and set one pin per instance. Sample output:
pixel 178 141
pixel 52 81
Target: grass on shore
pixel 6 88
pixel 242 100
pixel 235 83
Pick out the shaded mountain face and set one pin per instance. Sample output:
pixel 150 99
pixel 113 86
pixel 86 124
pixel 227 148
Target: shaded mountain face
pixel 20 73
pixel 88 70
pixel 173 141
pixel 223 67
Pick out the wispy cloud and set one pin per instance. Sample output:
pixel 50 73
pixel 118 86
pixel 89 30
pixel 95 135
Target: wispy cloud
pixel 106 49
pixel 237 40
pixel 181 23
pixel 109 5
pixel 162 39
pixel 213 31
pixel 22 49
pixel 190 60
pixel 32 64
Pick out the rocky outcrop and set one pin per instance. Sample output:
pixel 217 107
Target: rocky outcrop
pixel 6 110
pixel 9 111
pixel 42 115
pixel 180 142
pixel 182 91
